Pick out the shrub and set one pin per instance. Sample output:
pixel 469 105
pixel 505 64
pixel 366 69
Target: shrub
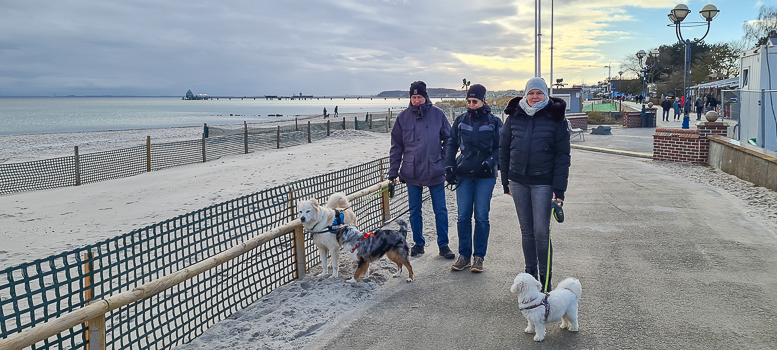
pixel 600 118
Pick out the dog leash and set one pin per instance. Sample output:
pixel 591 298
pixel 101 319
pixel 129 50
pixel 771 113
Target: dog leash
pixel 557 213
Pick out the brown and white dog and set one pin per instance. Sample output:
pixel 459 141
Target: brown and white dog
pixel 322 221
pixel 372 246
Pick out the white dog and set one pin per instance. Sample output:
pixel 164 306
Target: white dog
pixel 540 308
pixel 322 223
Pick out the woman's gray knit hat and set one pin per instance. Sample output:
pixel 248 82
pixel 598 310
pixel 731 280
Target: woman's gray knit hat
pixel 536 83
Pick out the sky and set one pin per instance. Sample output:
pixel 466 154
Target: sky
pixel 327 48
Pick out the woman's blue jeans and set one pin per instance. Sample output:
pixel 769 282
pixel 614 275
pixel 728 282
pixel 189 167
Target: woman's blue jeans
pixel 532 204
pixel 474 195
pixel 415 197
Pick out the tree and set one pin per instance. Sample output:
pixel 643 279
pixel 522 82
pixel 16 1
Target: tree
pixel 760 30
pixel 723 59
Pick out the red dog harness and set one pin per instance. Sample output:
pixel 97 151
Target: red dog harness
pixel 368 234
pixel 543 302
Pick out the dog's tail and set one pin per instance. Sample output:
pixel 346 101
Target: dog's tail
pixel 338 200
pixel 571 284
pixel 402 227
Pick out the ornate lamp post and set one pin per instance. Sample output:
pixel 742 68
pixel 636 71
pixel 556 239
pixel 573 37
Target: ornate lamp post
pixel 609 87
pixel 677 15
pixel 641 54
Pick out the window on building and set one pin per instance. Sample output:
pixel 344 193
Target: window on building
pixel 745 77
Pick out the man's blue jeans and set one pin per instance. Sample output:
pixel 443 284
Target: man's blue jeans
pixel 474 195
pixel 532 204
pixel 415 195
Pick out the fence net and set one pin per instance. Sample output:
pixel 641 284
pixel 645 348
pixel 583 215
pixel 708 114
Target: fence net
pixel 39 291
pixel 223 140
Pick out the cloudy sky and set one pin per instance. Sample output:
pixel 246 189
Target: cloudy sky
pixel 338 47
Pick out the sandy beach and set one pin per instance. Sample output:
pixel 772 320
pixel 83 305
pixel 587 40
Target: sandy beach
pixel 37 224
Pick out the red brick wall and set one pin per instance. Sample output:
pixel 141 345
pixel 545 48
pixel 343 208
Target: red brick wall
pixel 578 120
pixel 686 145
pixel 634 119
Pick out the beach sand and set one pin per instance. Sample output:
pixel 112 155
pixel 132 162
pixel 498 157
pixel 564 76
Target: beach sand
pixel 38 224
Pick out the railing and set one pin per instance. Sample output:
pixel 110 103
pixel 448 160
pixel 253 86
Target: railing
pixel 81 169
pixel 165 284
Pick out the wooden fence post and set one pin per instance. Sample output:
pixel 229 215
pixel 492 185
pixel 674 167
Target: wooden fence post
pixel 148 154
pixel 245 135
pixel 355 123
pixel 309 137
pixel 343 123
pixel 296 125
pixel 278 138
pixel 78 167
pixel 203 149
pixel 385 202
pixel 370 116
pixel 299 240
pixel 327 128
pixel 95 328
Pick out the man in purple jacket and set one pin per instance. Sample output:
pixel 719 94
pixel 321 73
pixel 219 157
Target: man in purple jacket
pixel 417 142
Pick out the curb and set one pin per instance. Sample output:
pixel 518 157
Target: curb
pixel 614 151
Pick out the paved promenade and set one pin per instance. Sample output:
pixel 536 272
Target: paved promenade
pixel 665 263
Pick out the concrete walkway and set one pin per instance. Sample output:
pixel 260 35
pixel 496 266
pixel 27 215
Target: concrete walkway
pixel 665 263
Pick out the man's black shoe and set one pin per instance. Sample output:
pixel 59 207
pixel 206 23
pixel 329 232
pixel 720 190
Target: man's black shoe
pixel 416 250
pixel 446 252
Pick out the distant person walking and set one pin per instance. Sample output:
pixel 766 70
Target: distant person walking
pixel 325 115
pixel 336 115
pixel 534 159
pixel 476 134
pixel 666 105
pixel 418 139
pixel 676 106
pixel 687 107
pixel 699 108
pixel 712 103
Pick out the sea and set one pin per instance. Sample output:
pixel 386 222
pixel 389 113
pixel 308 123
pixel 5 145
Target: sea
pixel 38 115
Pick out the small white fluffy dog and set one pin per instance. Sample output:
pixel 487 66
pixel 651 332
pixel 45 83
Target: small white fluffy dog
pixel 320 221
pixel 539 309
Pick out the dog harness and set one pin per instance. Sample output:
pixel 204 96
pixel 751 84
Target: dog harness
pixel 543 302
pixel 366 235
pixel 339 221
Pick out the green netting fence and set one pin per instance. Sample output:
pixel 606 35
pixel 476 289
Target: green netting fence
pixel 46 289
pixel 222 141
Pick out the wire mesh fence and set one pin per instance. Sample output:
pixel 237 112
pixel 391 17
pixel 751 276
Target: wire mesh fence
pixel 222 141
pixel 43 290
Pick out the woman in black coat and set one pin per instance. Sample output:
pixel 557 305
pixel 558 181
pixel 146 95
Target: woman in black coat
pixel 534 163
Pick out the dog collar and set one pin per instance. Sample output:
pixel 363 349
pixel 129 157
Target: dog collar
pixel 543 302
pixel 363 238
pixel 339 221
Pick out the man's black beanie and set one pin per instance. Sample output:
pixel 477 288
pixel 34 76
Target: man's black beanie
pixel 418 88
pixel 477 91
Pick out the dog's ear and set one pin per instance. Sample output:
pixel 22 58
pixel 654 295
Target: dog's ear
pixel 518 285
pixel 314 202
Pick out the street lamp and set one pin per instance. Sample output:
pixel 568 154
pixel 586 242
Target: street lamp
pixel 609 88
pixel 676 16
pixel 641 54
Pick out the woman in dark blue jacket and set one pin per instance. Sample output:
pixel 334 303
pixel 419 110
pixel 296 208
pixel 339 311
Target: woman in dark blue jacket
pixel 534 163
pixel 476 134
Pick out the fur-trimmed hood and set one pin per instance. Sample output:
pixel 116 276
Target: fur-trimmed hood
pixel 557 108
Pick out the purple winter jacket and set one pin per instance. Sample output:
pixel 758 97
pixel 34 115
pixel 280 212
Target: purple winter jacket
pixel 417 143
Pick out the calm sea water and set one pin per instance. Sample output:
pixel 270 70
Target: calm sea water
pixel 36 115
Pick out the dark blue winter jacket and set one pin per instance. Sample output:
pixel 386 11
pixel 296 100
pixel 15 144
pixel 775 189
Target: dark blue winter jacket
pixel 476 133
pixel 534 150
pixel 417 142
